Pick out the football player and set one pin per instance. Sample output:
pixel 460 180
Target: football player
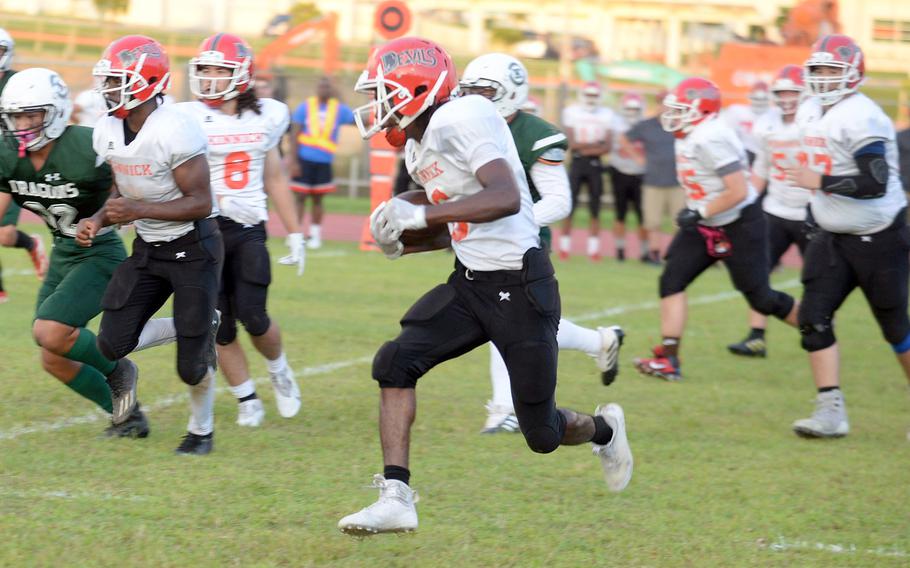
pixel 245 168
pixel 778 147
pixel 51 169
pixel 626 170
pixel 157 154
pixel 849 159
pixel 589 126
pixel 502 289
pixel 742 118
pixel 541 149
pixel 721 221
pixel 10 236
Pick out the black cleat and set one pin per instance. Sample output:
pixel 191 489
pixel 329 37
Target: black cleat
pixel 195 444
pixel 620 254
pixel 754 347
pixel 122 382
pixel 136 425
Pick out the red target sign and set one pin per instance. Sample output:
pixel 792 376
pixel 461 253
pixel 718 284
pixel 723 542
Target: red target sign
pixel 392 19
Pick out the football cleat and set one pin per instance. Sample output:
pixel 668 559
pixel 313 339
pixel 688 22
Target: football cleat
pixel 650 258
pixel 38 256
pixel 314 243
pixel 122 382
pixel 615 457
pixel 136 425
pixel 563 255
pixel 829 419
pixel 500 419
pixel 287 393
pixel 196 444
pixel 749 347
pixel 607 358
pixel 250 413
pixel 662 366
pixel 4 297
pixel 394 512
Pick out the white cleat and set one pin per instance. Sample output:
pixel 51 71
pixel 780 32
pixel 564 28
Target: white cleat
pixel 250 413
pixel 314 243
pixel 615 457
pixel 394 512
pixel 287 260
pixel 287 393
pixel 607 359
pixel 829 419
pixel 500 419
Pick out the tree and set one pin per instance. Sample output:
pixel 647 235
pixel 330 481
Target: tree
pixel 302 12
pixel 106 7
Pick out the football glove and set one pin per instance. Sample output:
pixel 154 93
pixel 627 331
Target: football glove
pixel 404 216
pixel 298 252
pixel 688 218
pixel 384 234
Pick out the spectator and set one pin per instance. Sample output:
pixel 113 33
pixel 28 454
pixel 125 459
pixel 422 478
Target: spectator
pixel 662 197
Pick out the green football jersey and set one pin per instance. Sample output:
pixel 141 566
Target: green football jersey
pixel 70 186
pixel 534 138
pixel 5 77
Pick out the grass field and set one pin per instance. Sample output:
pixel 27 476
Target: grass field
pixel 720 480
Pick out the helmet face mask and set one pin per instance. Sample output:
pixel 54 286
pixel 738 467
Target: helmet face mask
pixel 133 70
pixel 403 79
pixel 834 70
pixel 34 108
pixel 227 59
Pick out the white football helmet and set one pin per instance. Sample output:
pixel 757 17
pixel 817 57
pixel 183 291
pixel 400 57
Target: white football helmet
pixel 31 90
pixel 6 40
pixel 502 73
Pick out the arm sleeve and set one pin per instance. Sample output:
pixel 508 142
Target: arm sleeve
pixel 872 181
pixel 552 184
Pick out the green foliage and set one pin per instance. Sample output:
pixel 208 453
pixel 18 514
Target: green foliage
pixel 508 36
pixel 303 11
pixel 106 7
pixel 720 480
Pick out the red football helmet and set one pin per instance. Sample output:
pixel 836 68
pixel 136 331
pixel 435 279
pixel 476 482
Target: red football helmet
pixel 404 78
pixel 633 106
pixel 143 70
pixel 693 100
pixel 788 80
pixel 840 52
pixel 221 50
pixel 759 97
pixel 591 94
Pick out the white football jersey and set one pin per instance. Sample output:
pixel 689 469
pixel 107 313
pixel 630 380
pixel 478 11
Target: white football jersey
pixel 588 125
pixel 712 145
pixel 238 146
pixel 778 148
pixel 829 142
pixel 742 119
pixel 144 169
pixel 463 135
pixel 92 108
pixel 624 161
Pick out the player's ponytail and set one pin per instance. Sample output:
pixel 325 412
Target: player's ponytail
pixel 248 100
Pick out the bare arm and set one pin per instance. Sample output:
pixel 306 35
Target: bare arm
pixel 499 198
pixel 276 185
pixel 759 183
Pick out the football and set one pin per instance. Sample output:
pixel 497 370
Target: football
pixel 431 236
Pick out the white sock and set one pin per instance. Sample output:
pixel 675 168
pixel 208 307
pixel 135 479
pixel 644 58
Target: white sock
pixel 159 331
pixel 565 243
pixel 316 232
pixel 499 376
pixel 278 364
pixel 620 242
pixel 202 406
pixel 244 389
pixel 571 336
pixel 593 246
pixel 643 247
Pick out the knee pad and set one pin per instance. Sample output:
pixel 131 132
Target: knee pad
pixel 770 302
pixel 389 367
pixel 192 371
pixel 817 336
pixel 256 324
pixel 227 332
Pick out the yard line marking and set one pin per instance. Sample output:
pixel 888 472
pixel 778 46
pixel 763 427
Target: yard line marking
pixel 98 416
pixel 69 495
pixel 782 545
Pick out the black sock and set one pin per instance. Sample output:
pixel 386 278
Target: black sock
pixel 24 241
pixel 671 346
pixel 402 474
pixel 828 389
pixel 603 434
pixel 756 333
pixel 249 397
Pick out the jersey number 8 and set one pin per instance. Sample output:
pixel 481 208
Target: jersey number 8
pixel 236 170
